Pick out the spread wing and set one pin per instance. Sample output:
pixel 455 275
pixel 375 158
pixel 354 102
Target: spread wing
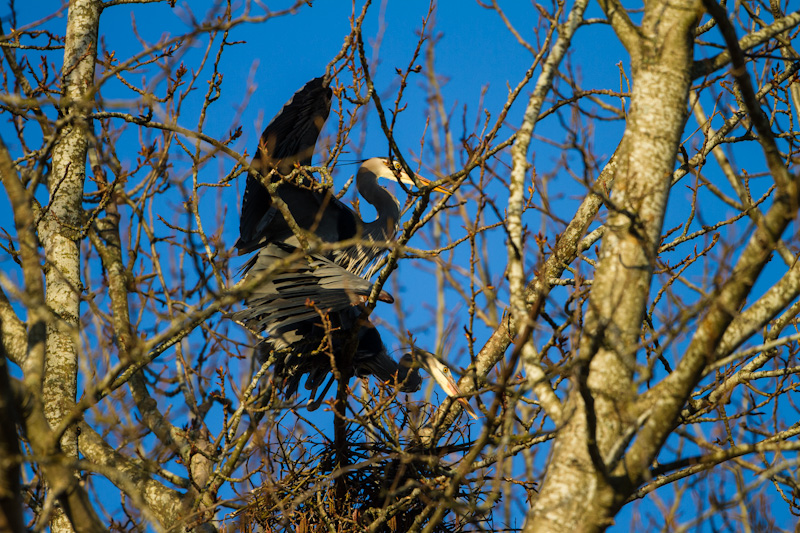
pixel 288 140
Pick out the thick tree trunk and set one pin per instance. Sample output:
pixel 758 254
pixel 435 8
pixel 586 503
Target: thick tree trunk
pixel 61 227
pixel 581 492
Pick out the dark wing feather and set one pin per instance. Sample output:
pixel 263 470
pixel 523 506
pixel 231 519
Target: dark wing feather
pixel 288 140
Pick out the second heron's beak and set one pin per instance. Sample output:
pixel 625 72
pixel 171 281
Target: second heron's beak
pixel 444 378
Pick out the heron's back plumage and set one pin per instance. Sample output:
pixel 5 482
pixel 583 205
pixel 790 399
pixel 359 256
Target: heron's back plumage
pixel 302 287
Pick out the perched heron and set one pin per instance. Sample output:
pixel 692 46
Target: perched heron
pixel 288 142
pixel 312 303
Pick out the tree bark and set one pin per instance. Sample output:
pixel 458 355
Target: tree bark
pixel 580 493
pixel 61 225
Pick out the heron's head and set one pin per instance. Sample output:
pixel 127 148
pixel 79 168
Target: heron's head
pixel 437 370
pixel 392 170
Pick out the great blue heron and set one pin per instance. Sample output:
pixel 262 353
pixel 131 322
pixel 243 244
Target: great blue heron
pixel 312 303
pixel 288 142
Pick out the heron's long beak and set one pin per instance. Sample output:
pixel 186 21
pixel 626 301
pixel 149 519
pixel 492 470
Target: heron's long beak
pixel 438 188
pixel 445 379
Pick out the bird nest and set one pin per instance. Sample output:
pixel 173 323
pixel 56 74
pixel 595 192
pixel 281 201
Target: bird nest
pixel 378 478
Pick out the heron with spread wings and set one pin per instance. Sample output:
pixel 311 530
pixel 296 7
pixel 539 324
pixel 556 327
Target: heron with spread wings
pixel 311 307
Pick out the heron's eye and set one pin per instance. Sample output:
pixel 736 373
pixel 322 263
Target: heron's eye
pixel 446 371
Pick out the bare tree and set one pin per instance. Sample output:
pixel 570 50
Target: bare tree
pixel 615 273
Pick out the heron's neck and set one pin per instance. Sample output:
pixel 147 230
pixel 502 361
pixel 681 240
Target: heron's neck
pixel 386 205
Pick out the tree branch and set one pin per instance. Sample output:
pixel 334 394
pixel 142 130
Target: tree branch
pixel 705 67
